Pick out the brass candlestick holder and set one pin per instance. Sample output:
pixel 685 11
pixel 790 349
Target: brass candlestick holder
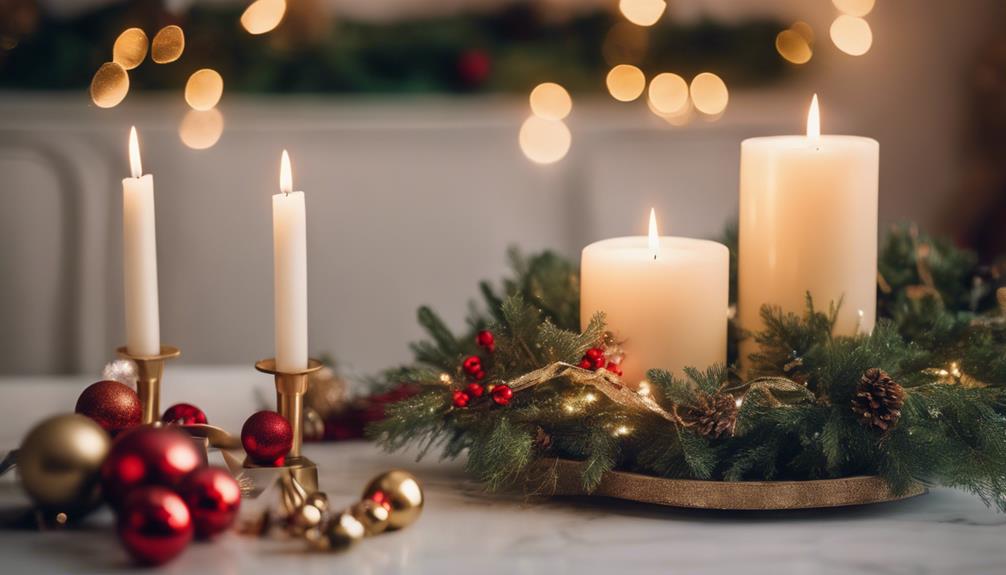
pixel 290 389
pixel 149 369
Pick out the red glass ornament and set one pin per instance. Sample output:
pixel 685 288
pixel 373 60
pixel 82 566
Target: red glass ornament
pixel 154 525
pixel 594 353
pixel 586 364
pixel 475 389
pixel 613 368
pixel 184 414
pixel 460 399
pixel 485 339
pixel 267 437
pixel 472 365
pixel 113 405
pixel 502 394
pixel 213 497
pixel 147 456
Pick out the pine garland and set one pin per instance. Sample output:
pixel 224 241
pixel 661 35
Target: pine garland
pixel 922 398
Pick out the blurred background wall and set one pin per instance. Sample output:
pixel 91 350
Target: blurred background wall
pixel 415 180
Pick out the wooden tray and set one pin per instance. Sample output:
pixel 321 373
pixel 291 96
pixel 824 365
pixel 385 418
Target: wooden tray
pixel 562 477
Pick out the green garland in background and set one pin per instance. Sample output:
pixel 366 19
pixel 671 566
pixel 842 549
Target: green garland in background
pixel 921 398
pixel 509 50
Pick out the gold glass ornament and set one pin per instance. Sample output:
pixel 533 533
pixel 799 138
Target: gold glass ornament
pixel 130 48
pixel 372 515
pixel 399 491
pixel 343 530
pixel 59 462
pixel 314 425
pixel 303 519
pixel 326 393
pixel 168 45
pixel 109 85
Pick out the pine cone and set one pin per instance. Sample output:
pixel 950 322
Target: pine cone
pixel 878 400
pixel 716 416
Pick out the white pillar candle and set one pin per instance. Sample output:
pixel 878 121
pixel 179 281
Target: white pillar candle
pixel 289 227
pixel 664 298
pixel 139 261
pixel 808 223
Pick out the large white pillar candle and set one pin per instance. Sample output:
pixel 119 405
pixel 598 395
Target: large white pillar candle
pixel 808 223
pixel 139 261
pixel 664 298
pixel 289 227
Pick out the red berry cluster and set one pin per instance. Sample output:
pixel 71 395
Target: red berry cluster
pixel 472 366
pixel 595 359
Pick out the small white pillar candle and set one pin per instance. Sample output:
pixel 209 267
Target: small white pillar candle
pixel 665 298
pixel 139 258
pixel 808 223
pixel 289 226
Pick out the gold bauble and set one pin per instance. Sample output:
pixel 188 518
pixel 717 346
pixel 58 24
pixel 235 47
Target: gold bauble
pixel 303 519
pixel 343 530
pixel 372 515
pixel 59 462
pixel 326 393
pixel 313 426
pixel 400 492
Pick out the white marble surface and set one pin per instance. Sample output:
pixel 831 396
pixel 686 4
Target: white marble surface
pixel 464 530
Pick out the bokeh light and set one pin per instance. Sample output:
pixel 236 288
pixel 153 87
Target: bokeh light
pixel 793 47
pixel 851 35
pixel 204 88
pixel 680 118
pixel 109 85
pixel 263 16
pixel 130 48
pixel 854 7
pixel 168 45
pixel 544 141
pixel 709 94
pixel 668 94
pixel 803 29
pixel 625 82
pixel 642 12
pixel 200 129
pixel 550 101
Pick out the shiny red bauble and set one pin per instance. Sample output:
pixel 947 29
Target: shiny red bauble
pixel 486 340
pixel 475 389
pixel 502 394
pixel 183 414
pixel 267 437
pixel 146 456
pixel 472 365
pixel 213 497
pixel 113 405
pixel 460 398
pixel 154 525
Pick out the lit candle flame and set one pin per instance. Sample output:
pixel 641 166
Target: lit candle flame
pixel 814 121
pixel 134 154
pixel 654 238
pixel 285 174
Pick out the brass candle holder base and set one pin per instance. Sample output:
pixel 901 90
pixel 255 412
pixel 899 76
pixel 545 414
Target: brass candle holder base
pixel 290 389
pixel 149 369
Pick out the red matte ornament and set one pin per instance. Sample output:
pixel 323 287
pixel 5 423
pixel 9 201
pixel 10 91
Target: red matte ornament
pixel 267 437
pixel 502 394
pixel 154 525
pixel 111 404
pixel 146 456
pixel 184 414
pixel 213 498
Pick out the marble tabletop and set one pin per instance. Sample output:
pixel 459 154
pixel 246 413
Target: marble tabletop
pixel 465 530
